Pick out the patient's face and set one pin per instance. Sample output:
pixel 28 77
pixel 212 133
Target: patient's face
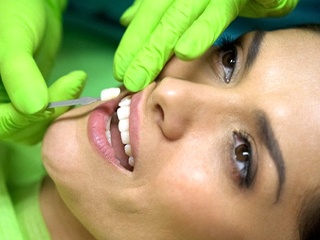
pixel 224 147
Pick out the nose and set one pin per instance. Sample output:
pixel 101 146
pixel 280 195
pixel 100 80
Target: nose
pixel 183 105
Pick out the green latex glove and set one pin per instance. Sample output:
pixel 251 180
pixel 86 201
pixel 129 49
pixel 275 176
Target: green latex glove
pixel 18 127
pixel 187 28
pixel 30 34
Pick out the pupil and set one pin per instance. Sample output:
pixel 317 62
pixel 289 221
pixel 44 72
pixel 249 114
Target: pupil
pixel 242 153
pixel 228 59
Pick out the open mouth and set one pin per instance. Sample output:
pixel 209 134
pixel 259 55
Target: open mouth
pixel 117 133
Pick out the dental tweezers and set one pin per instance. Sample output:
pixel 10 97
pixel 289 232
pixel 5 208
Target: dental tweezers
pixel 106 94
pixel 74 102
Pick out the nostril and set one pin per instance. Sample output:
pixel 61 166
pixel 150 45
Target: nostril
pixel 160 113
pixel 170 107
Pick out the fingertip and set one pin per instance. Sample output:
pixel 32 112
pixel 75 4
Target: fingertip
pixel 183 55
pixel 188 50
pixel 79 76
pixel 68 86
pixel 126 17
pixel 190 47
pixel 129 14
pixel 136 84
pixel 118 67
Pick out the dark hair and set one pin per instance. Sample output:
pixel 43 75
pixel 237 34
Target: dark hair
pixel 309 216
pixel 310 27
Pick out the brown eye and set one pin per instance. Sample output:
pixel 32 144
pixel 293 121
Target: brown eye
pixel 242 153
pixel 228 61
pixel 242 158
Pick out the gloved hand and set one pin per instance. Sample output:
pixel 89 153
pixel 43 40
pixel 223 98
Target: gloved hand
pixel 187 28
pixel 18 127
pixel 30 34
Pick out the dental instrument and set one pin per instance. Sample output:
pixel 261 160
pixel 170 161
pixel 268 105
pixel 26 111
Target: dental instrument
pixel 105 95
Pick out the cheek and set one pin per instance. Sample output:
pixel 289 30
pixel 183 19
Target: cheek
pixel 193 195
pixel 62 148
pixel 57 145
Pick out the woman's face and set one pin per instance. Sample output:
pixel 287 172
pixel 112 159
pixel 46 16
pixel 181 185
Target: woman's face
pixel 224 147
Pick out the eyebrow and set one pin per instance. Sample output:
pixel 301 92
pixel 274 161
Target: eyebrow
pixel 269 140
pixel 254 49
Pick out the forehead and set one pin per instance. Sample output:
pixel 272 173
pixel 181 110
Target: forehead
pixel 287 67
pixel 285 82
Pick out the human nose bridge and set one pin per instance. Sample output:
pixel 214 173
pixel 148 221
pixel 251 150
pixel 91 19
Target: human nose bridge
pixel 179 104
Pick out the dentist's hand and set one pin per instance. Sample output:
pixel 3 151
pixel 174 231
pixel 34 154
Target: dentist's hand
pixel 187 28
pixel 30 34
pixel 18 127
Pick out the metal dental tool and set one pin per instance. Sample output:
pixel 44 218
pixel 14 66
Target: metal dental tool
pixel 106 94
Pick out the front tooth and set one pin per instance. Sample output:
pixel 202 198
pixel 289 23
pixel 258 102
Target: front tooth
pixel 123 112
pixel 125 137
pixel 108 133
pixel 125 101
pixel 109 93
pixel 131 161
pixel 123 125
pixel 127 150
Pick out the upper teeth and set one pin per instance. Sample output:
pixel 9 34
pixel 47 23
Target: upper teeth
pixel 123 113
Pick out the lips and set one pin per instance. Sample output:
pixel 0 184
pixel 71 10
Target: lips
pixel 119 147
pixel 97 123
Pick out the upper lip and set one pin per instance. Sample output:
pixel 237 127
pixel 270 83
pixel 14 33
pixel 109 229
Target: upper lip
pixel 137 112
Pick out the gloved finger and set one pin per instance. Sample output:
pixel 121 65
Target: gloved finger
pixel 136 36
pixel 208 27
pixel 4 98
pixel 23 82
pixel 51 40
pixel 60 5
pixel 29 129
pixel 152 57
pixel 67 87
pixel 268 8
pixel 129 14
pixel 15 125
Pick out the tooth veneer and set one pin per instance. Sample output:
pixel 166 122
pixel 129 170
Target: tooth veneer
pixel 123 114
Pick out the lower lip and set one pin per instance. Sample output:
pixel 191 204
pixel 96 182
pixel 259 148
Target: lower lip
pixel 135 122
pixel 97 130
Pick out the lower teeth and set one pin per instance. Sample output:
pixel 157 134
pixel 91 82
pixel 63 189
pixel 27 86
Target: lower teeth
pixel 131 161
pixel 127 147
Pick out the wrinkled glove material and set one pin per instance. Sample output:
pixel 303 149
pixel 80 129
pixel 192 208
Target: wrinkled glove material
pixel 187 28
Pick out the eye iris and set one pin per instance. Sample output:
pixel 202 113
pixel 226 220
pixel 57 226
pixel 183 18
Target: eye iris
pixel 242 153
pixel 242 157
pixel 228 59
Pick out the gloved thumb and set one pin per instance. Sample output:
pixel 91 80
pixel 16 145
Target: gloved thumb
pixel 67 87
pixel 129 14
pixel 29 129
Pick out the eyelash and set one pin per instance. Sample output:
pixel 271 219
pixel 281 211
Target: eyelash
pixel 242 168
pixel 227 46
